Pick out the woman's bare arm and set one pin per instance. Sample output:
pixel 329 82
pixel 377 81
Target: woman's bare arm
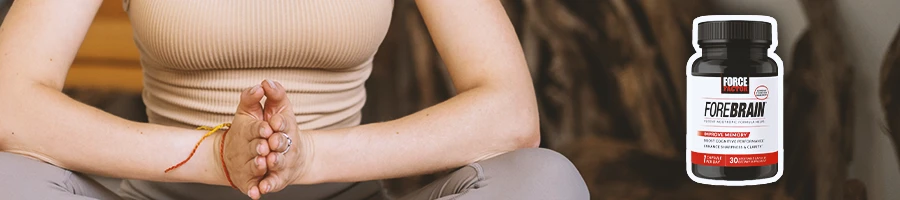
pixel 495 111
pixel 38 42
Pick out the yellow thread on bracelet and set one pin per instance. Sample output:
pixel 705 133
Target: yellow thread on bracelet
pixel 211 131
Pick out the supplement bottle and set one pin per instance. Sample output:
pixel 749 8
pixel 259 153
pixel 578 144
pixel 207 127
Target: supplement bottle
pixel 733 108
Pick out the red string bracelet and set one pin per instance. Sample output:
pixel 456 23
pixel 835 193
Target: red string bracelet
pixel 222 157
pixel 226 127
pixel 211 131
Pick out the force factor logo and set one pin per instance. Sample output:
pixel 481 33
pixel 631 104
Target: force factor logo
pixel 735 85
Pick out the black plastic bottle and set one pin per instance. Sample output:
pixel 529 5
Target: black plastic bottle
pixel 732 103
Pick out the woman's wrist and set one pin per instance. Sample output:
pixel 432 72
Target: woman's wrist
pixel 202 167
pixel 311 168
pixel 216 172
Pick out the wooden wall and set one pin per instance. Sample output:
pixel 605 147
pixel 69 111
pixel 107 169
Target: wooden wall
pixel 108 58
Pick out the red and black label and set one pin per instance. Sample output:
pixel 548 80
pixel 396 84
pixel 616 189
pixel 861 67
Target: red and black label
pixel 735 85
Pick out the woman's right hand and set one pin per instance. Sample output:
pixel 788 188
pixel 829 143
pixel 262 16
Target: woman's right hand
pixel 246 143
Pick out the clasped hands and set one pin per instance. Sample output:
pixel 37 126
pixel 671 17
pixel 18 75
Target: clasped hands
pixel 264 151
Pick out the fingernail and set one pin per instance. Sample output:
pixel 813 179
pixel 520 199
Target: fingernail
pixel 282 125
pixel 268 188
pixel 259 149
pixel 271 83
pixel 253 193
pixel 261 161
pixel 276 160
pixel 254 89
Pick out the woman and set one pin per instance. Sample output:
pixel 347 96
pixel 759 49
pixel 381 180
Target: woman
pixel 295 138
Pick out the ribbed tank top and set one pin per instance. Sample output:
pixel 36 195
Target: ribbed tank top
pixel 197 56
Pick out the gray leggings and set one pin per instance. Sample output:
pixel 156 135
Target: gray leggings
pixel 521 174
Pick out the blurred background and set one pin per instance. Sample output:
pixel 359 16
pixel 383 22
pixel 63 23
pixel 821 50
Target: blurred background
pixel 609 76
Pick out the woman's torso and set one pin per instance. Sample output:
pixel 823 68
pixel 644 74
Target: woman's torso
pixel 198 55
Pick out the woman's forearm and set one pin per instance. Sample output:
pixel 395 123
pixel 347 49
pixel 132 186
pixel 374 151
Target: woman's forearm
pixel 495 111
pixel 472 126
pixel 43 123
pixel 39 41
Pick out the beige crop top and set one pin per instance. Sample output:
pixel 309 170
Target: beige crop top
pixel 198 55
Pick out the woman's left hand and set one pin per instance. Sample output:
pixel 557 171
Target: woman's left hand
pixel 291 150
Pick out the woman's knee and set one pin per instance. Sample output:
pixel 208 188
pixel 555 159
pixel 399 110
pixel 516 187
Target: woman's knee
pixel 543 163
pixel 25 167
pixel 22 177
pixel 538 169
pixel 539 155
